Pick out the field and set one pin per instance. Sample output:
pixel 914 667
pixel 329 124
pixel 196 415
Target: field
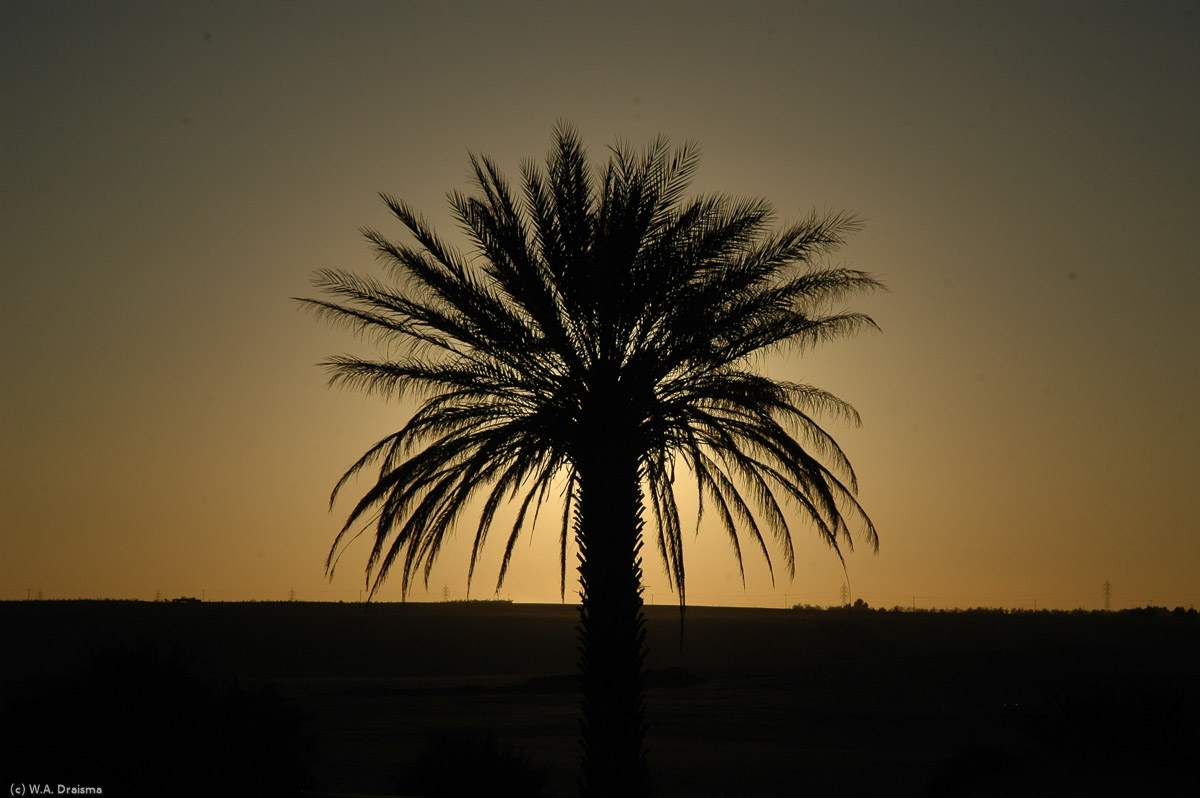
pixel 748 702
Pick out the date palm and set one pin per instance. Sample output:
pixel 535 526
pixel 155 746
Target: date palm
pixel 603 333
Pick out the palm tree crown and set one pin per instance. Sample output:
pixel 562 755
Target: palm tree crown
pixel 599 309
pixel 603 335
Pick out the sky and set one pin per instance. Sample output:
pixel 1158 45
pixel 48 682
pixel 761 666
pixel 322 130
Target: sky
pixel 1028 173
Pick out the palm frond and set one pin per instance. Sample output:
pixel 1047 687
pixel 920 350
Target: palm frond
pixel 590 294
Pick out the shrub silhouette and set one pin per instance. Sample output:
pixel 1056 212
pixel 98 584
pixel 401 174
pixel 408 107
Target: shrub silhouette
pixel 1109 738
pixel 462 764
pixel 142 720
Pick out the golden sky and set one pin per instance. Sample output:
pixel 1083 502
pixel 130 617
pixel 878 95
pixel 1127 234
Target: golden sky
pixel 173 172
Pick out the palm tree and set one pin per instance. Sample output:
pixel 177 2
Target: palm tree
pixel 604 332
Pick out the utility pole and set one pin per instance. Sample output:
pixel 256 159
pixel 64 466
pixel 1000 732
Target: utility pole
pixel 1107 596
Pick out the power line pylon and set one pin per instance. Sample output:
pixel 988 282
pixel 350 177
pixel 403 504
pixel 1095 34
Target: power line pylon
pixel 844 594
pixel 1107 596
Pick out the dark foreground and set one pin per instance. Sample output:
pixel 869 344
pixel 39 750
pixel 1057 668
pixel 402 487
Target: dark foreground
pixel 752 703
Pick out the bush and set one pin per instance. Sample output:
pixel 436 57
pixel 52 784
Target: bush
pixel 141 721
pixel 466 765
pixel 1110 738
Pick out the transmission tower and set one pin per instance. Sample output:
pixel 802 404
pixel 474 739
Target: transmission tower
pixel 445 592
pixel 292 594
pixel 844 594
pixel 1107 596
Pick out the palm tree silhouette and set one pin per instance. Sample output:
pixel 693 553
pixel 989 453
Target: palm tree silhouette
pixel 603 333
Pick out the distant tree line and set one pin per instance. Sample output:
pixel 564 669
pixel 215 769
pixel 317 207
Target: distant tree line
pixel 861 606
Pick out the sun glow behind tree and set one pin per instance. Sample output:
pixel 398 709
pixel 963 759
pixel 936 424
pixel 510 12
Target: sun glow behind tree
pixel 604 334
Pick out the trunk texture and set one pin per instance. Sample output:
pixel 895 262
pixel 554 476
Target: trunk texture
pixel 612 630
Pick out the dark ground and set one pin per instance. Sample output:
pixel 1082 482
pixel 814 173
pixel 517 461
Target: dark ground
pixel 754 703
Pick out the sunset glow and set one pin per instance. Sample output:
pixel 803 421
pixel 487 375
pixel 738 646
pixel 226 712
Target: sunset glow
pixel 174 173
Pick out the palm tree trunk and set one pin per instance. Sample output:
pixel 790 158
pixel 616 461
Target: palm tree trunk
pixel 612 630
